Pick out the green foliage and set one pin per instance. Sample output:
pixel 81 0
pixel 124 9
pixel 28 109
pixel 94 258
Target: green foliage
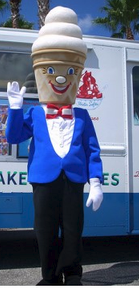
pixel 122 18
pixel 22 23
pixel 14 6
pixel 3 6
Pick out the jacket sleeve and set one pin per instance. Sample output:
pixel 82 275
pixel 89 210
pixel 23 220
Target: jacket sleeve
pixel 92 149
pixel 19 126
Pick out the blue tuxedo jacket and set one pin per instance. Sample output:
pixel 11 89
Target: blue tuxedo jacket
pixel 80 164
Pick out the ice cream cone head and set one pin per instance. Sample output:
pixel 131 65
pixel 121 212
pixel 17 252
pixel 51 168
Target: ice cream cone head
pixel 58 56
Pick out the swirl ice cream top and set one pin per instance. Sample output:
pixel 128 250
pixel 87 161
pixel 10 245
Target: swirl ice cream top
pixel 60 31
pixel 59 42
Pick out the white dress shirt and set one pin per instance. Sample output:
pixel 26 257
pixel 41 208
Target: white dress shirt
pixel 61 133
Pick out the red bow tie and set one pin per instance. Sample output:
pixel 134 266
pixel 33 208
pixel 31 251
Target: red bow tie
pixel 53 111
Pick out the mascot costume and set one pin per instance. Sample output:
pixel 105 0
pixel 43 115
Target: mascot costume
pixel 64 152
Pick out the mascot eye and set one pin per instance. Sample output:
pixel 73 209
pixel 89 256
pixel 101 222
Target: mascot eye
pixel 50 70
pixel 70 71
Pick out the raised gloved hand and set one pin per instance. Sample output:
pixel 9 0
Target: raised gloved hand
pixel 15 95
pixel 95 195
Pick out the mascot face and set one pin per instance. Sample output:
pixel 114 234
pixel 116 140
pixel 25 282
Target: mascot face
pixel 58 83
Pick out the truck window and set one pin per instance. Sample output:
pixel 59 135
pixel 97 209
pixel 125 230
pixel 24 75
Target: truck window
pixel 16 67
pixel 5 148
pixel 136 94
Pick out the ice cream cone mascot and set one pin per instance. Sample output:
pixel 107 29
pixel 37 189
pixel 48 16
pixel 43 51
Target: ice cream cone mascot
pixel 64 152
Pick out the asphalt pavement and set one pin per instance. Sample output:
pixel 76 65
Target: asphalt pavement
pixel 107 261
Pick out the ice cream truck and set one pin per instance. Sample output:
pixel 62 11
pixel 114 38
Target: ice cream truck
pixel 109 90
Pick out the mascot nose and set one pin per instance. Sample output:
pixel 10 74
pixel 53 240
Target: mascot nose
pixel 61 79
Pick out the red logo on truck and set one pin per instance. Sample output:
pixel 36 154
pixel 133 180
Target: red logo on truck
pixel 88 94
pixel 89 88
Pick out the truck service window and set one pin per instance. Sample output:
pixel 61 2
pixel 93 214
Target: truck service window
pixel 16 67
pixel 5 148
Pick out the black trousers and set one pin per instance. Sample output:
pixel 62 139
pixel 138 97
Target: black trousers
pixel 59 204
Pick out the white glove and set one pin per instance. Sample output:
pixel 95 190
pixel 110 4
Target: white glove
pixel 95 195
pixel 15 95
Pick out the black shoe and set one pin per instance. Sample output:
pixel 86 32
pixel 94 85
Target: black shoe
pixel 57 281
pixel 43 282
pixel 73 280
